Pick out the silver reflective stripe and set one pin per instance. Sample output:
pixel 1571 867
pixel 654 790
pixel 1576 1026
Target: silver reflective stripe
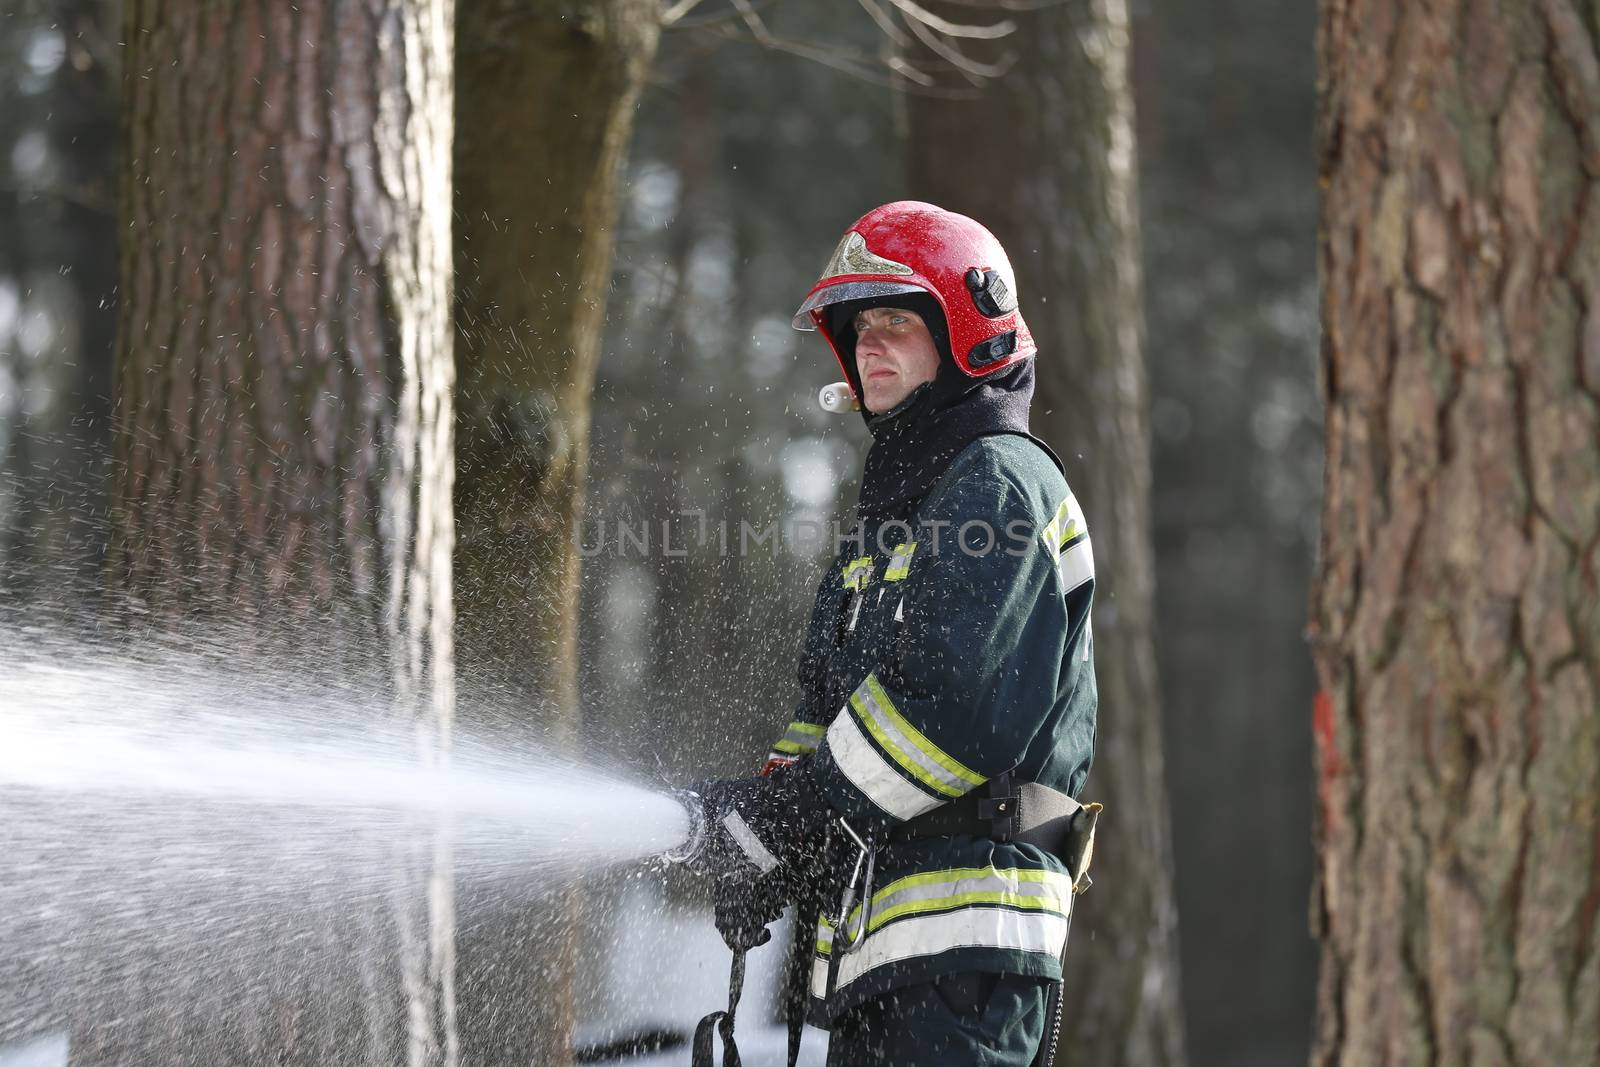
pixel 819 958
pixel 1044 890
pixel 819 977
pixel 900 562
pixel 1076 565
pixel 918 756
pixel 799 738
pixel 974 927
pixel 1067 524
pixel 852 256
pixel 869 772
pixel 740 831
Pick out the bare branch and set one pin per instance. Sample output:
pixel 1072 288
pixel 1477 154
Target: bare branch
pixel 753 20
pixel 906 70
pixel 706 21
pixel 885 23
pixel 677 11
pixel 935 34
pixel 1008 5
pixel 855 64
pixel 993 31
pixel 971 69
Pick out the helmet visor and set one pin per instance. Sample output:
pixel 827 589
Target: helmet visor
pixel 838 294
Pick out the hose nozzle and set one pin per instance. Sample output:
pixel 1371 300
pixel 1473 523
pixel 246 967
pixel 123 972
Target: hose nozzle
pixel 696 809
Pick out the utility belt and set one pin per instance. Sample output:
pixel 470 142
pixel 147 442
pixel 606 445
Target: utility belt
pixel 1025 813
pixel 1002 809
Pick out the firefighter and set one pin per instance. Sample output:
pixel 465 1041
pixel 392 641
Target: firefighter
pixel 921 802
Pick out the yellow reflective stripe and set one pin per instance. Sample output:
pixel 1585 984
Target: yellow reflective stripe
pixel 878 777
pixel 959 874
pixel 929 763
pixel 858 573
pixel 927 936
pixel 1067 525
pixel 998 886
pixel 1051 534
pixel 1008 908
pixel 917 907
pixel 900 562
pixel 800 738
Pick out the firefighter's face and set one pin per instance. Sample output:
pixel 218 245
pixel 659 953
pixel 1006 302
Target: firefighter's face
pixel 895 353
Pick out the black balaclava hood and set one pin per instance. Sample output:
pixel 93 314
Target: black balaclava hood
pixel 914 442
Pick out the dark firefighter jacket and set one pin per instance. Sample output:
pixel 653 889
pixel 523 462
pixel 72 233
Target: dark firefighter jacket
pixel 946 648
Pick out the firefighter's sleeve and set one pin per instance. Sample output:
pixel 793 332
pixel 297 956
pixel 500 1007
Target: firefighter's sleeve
pixel 970 675
pixel 804 732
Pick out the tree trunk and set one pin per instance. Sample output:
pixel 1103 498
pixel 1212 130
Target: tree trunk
pixel 284 413
pixel 1456 615
pixel 1047 163
pixel 544 109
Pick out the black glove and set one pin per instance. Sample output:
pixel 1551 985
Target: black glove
pixel 744 910
pixel 753 826
pixel 761 838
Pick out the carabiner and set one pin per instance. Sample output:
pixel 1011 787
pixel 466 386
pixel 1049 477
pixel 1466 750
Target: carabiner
pixel 867 854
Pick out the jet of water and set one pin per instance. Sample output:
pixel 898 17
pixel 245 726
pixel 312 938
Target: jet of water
pixel 157 738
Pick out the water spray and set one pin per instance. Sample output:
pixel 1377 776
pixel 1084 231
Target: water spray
pixel 242 830
pixel 155 739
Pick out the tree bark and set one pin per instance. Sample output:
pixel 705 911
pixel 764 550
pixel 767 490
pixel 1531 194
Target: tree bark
pixel 1047 162
pixel 544 110
pixel 1456 614
pixel 283 394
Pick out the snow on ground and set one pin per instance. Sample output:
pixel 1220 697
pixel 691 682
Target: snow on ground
pixel 667 968
pixel 48 1050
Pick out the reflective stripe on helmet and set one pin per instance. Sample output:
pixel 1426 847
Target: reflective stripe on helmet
pixel 852 256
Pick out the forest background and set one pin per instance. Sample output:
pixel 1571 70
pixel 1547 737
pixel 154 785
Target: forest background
pixel 743 161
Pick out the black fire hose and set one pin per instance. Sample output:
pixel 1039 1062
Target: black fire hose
pixel 721 1023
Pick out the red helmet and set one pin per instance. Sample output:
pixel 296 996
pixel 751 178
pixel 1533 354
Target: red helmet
pixel 909 247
